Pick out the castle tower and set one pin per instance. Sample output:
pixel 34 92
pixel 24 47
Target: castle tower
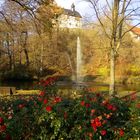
pixel 73 7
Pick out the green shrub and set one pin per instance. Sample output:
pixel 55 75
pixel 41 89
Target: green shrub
pixel 20 72
pixel 51 117
pixel 104 71
pixel 134 70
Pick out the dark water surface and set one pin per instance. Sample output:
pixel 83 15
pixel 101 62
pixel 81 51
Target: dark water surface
pixel 94 86
pixel 26 85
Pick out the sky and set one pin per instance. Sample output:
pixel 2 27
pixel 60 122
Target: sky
pixel 79 4
pixel 87 12
pixel 1 1
pixel 82 7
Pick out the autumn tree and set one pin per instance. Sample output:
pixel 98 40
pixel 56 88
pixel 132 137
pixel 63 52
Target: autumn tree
pixel 118 13
pixel 16 22
pixel 25 21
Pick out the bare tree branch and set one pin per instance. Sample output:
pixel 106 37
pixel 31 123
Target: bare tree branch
pixel 127 15
pixel 108 5
pixel 130 29
pixel 94 4
pixel 7 21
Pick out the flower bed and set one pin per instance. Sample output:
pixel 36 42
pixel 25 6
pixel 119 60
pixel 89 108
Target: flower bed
pixel 48 116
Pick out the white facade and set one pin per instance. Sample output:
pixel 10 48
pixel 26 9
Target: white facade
pixel 66 21
pixel 135 36
pixel 135 33
pixel 70 18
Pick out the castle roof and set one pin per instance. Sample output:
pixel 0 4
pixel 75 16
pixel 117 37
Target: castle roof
pixel 136 30
pixel 72 13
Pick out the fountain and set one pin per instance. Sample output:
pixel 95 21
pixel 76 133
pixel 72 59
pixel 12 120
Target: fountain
pixel 78 62
pixel 78 84
pixel 76 78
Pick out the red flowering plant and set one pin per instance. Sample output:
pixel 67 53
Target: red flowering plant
pixel 95 117
pixel 48 86
pixel 19 114
pixel 48 122
pixel 2 127
pixel 49 116
pixel 133 125
pixel 91 116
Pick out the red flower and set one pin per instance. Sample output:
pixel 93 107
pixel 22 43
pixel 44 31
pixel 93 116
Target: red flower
pixel 57 99
pixel 133 96
pixel 82 103
pixel 1 120
pixel 94 99
pixel 93 125
pixel 48 108
pixel 39 99
pixel 105 102
pixel 42 93
pixel 114 108
pixel 108 116
pixel 87 105
pixel 31 98
pixel 90 134
pixel 10 116
pixel 103 132
pixel 42 81
pixel 97 119
pixel 35 104
pixel 93 111
pixel 47 82
pixel 109 107
pixel 8 137
pixel 104 122
pixel 98 94
pixel 89 90
pixel 98 123
pixel 121 132
pixel 138 105
pixel 21 106
pixel 65 115
pixel 2 128
pixel 45 101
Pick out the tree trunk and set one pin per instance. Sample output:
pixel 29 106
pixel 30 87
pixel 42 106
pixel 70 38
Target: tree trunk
pixel 20 58
pixel 41 58
pixel 10 61
pixel 13 54
pixel 26 56
pixel 112 72
pixel 25 35
pixel 11 65
pixel 9 52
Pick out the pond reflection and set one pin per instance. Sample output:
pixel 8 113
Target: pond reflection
pixel 26 85
pixel 92 86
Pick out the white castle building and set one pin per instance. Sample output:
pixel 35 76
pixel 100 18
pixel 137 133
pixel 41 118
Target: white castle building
pixel 135 34
pixel 70 18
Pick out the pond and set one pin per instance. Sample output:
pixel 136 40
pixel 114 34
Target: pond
pixel 25 85
pixel 28 85
pixel 102 86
